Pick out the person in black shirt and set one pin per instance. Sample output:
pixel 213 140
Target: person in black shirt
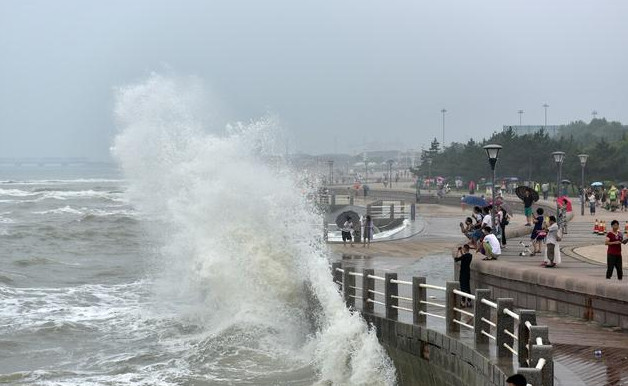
pixel 464 257
pixel 527 207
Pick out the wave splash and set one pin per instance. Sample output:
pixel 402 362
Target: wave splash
pixel 237 241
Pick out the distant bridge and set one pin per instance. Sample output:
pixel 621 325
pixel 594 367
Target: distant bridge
pixel 44 161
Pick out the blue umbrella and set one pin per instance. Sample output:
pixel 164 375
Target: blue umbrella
pixel 597 184
pixel 474 200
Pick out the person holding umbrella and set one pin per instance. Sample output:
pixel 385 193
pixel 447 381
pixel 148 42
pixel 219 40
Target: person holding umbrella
pixel 528 196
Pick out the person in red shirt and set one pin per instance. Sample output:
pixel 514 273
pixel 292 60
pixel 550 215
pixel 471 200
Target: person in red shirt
pixel 614 240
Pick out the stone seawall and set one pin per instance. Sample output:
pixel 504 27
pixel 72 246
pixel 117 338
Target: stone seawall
pixel 429 358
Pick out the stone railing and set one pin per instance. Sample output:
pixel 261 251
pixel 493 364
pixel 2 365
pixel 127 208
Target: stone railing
pixel 493 326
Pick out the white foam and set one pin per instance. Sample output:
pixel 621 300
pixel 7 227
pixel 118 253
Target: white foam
pixel 236 233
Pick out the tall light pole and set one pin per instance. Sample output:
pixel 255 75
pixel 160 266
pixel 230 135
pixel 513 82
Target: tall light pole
pixel 594 114
pixel 583 163
pixel 520 114
pixel 559 157
pixel 390 162
pixel 366 168
pixel 429 174
pixel 331 171
pixel 443 111
pixel 492 152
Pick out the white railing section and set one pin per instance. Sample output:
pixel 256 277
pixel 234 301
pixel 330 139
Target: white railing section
pixel 514 332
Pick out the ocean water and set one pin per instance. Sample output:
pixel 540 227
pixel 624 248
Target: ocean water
pixel 196 259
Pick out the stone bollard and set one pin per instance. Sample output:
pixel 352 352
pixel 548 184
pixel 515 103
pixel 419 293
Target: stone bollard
pixel 524 335
pixel 533 375
pixel 450 303
pixel 481 311
pixel 392 211
pixel 419 295
pixel 413 212
pixel 348 287
pixel 391 290
pixel 336 274
pixel 504 322
pixel 367 286
pixel 547 372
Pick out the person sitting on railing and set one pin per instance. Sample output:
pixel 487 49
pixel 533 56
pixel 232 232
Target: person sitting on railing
pixel 464 257
pixel 516 380
pixel 490 245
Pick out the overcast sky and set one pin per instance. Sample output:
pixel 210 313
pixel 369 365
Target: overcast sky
pixel 337 74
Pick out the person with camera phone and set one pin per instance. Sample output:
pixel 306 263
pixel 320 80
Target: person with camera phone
pixel 464 257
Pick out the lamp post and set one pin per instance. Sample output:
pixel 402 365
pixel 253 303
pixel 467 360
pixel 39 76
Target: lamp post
pixel 520 114
pixel 492 152
pixel 443 111
pixel 366 168
pixel 429 174
pixel 331 171
pixel 559 156
pixel 390 162
pixel 583 163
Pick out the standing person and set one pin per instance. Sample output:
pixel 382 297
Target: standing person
pixel 551 241
pixel 538 234
pixel 527 207
pixel 503 220
pixel 492 249
pixel 368 232
pixel 623 197
pixel 347 232
pixel 614 240
pixel 545 190
pixel 464 257
pixel 592 201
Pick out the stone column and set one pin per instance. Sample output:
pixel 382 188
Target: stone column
pixel 390 290
pixel 418 295
pixel 547 372
pixel 367 284
pixel 524 335
pixel 450 303
pixel 504 322
pixel 481 311
pixel 348 287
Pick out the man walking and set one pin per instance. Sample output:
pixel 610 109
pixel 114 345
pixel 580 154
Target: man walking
pixel 614 240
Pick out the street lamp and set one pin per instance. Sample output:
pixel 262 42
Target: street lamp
pixel 583 163
pixel 331 171
pixel 443 111
pixel 520 114
pixel 429 174
pixel 492 152
pixel 559 157
pixel 390 162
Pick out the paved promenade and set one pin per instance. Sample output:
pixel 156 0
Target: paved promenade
pixel 583 268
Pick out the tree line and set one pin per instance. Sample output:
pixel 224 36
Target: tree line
pixel 528 157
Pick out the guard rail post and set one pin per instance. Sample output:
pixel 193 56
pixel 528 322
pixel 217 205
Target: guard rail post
pixel 390 290
pixel 392 211
pixel 336 274
pixel 539 332
pixel 403 209
pixel 348 287
pixel 450 303
pixel 538 352
pixel 325 230
pixel 532 374
pixel 481 311
pixel 413 212
pixel 419 295
pixel 524 335
pixel 333 200
pixel 504 322
pixel 367 286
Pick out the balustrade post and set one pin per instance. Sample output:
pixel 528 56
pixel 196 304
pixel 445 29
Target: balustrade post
pixel 325 230
pixel 333 200
pixel 369 211
pixel 533 375
pixel 351 200
pixel 402 209
pixel 547 372
pixel 450 303
pixel 419 295
pixel 504 322
pixel 481 311
pixel 539 332
pixel 524 335
pixel 413 212
pixel 391 290
pixel 368 285
pixel 348 287
pixel 392 211
pixel 336 274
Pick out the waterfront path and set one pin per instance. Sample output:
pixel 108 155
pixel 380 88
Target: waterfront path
pixel 583 265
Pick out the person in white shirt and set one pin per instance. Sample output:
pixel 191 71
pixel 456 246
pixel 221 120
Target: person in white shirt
pixel 551 241
pixel 487 220
pixel 347 232
pixel 492 249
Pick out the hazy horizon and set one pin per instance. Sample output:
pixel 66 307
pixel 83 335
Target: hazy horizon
pixel 338 76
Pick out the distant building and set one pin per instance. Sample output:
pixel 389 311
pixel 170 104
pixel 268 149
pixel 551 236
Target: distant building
pixel 552 130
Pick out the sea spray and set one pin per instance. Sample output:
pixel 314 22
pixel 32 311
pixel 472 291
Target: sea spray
pixel 238 241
